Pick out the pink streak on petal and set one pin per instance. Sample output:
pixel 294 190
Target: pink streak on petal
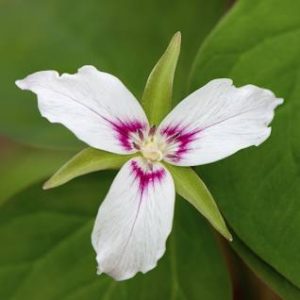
pixel 146 177
pixel 182 136
pixel 124 129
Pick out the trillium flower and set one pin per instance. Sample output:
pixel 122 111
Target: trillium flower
pixel 135 219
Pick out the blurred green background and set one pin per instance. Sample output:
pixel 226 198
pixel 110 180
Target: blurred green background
pixel 45 250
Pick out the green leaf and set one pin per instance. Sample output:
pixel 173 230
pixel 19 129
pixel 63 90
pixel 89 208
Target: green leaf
pixel 157 97
pixel 258 189
pixel 87 161
pixel 192 188
pixel 46 251
pixel 123 40
pixel 22 166
pixel 275 281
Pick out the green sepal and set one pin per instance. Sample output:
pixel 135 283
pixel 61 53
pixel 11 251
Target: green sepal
pixel 157 97
pixel 87 161
pixel 189 186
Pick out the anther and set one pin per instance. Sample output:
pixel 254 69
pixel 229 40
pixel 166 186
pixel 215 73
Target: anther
pixel 140 134
pixel 136 146
pixel 172 156
pixel 152 130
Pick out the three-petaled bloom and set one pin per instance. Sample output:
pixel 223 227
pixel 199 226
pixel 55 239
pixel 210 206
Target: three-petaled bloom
pixel 135 219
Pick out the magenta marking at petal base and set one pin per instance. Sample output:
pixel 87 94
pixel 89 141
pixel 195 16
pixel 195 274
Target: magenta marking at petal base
pixel 124 129
pixel 146 177
pixel 180 135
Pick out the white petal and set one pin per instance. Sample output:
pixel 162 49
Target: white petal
pixel 134 220
pixel 216 121
pixel 94 105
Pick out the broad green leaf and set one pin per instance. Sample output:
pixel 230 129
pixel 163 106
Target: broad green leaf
pixel 87 161
pixel 276 281
pixel 123 38
pixel 192 188
pixel 46 251
pixel 258 189
pixel 22 166
pixel 157 97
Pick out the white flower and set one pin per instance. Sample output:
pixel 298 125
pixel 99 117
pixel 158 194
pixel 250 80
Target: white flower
pixel 135 218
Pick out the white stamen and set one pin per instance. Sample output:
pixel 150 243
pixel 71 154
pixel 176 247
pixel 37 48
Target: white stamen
pixel 152 147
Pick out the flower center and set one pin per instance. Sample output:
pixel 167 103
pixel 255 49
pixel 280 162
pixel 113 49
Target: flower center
pixel 151 149
pixel 150 144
